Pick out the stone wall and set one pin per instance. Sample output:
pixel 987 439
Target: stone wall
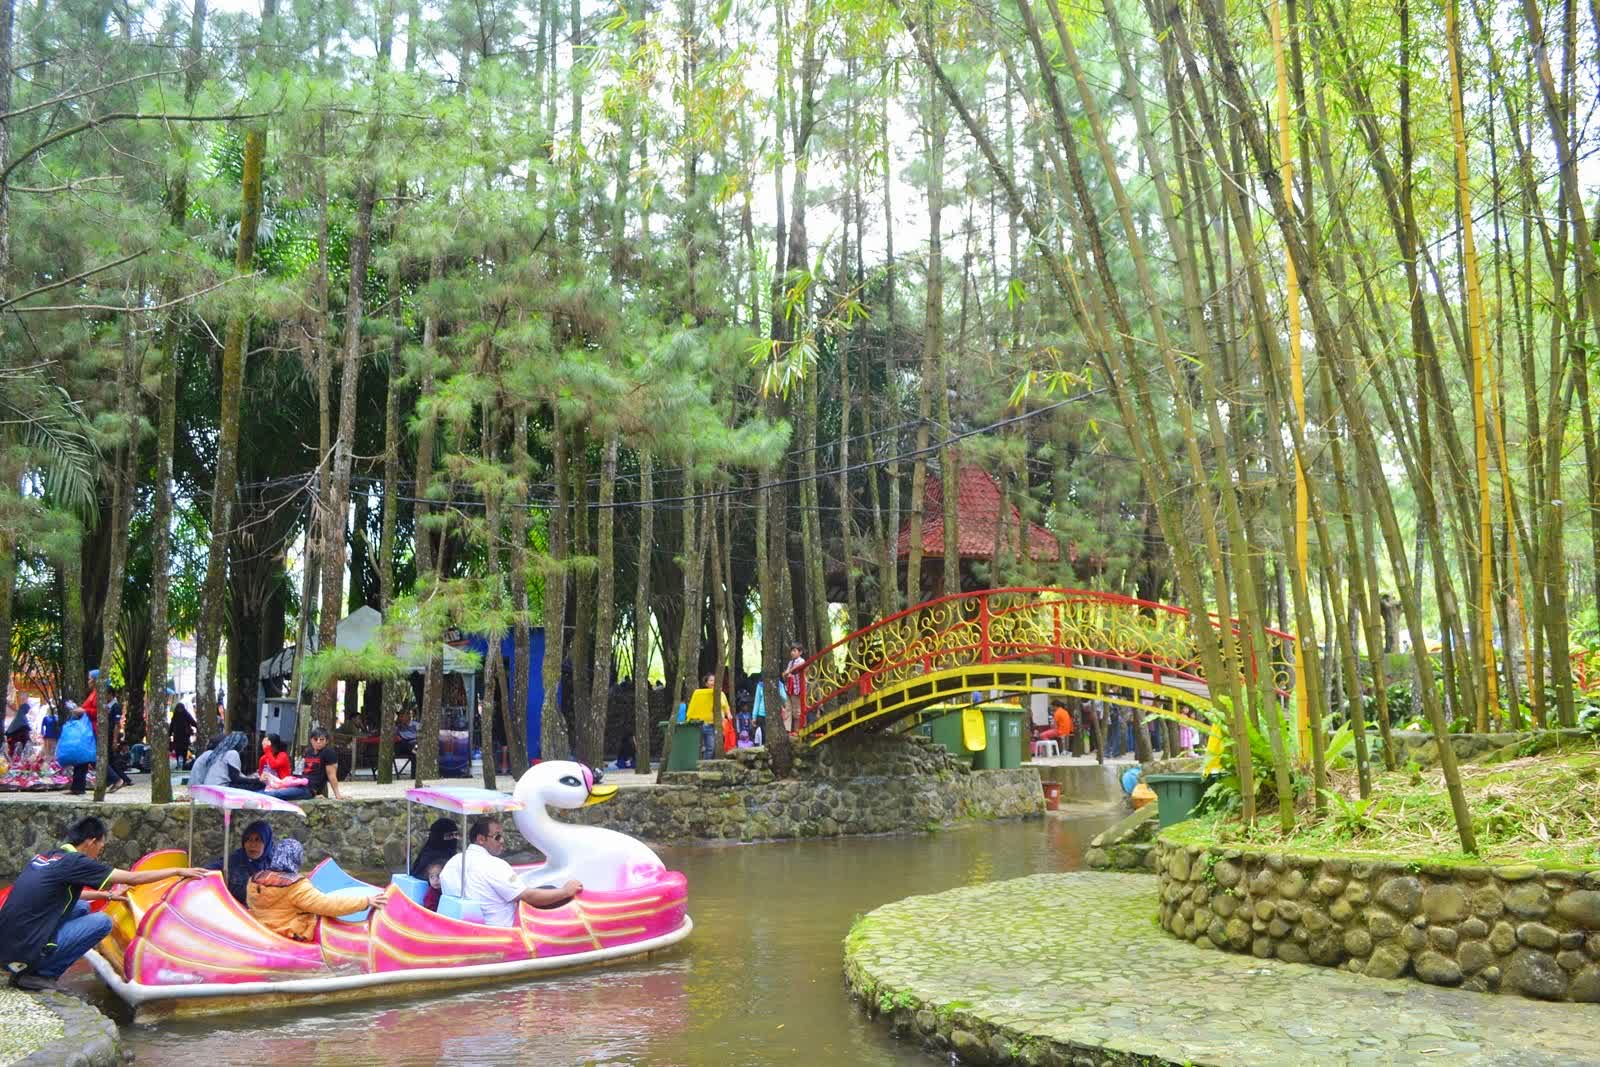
pixel 879 785
pixel 1493 929
pixel 1130 845
pixel 1421 747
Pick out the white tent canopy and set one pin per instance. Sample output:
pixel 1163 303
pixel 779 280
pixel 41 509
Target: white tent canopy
pixel 357 630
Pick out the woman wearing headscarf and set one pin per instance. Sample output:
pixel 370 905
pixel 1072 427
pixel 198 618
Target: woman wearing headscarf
pixel 221 764
pixel 285 902
pixel 180 731
pixel 250 858
pixel 444 841
pixel 19 730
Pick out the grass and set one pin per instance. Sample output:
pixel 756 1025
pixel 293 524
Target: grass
pixel 1541 809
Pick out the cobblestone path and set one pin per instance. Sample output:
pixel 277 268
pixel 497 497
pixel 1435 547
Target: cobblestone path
pixel 1072 969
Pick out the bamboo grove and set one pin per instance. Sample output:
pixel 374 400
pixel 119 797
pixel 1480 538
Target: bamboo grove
pixel 642 321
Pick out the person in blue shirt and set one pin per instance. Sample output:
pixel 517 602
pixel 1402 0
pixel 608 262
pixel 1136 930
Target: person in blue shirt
pixel 45 924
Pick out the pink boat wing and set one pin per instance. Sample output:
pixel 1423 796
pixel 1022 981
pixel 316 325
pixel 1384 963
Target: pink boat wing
pixel 405 936
pixel 199 933
pixel 606 919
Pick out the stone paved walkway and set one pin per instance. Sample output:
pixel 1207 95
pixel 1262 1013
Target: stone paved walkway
pixel 1072 969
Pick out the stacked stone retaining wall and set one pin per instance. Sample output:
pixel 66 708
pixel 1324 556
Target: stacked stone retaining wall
pixel 1517 929
pixel 1422 748
pixel 878 785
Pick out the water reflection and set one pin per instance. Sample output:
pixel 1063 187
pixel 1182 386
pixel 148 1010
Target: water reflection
pixel 758 983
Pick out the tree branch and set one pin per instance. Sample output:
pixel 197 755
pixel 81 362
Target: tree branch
pixel 116 116
pixel 75 278
pixel 132 310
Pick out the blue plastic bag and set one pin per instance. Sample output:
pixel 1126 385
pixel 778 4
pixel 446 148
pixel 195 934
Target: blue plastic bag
pixel 77 742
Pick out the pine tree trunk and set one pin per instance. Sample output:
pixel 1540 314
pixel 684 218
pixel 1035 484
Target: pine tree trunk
pixel 333 540
pixel 208 635
pixel 591 732
pixel 121 514
pixel 521 641
pixel 553 740
pixel 641 613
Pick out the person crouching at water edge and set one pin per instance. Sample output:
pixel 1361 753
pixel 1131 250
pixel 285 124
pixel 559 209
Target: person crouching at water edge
pixel 45 925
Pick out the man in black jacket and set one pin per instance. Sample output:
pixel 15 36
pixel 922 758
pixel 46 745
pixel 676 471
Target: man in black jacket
pixel 45 926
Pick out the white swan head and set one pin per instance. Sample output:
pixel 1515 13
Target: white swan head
pixel 561 784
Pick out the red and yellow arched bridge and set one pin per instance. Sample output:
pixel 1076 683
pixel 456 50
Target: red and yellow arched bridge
pixel 1061 642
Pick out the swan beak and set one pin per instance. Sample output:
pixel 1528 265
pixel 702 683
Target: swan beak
pixel 600 794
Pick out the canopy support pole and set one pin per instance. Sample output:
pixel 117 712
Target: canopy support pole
pixel 227 839
pixel 465 845
pixel 408 835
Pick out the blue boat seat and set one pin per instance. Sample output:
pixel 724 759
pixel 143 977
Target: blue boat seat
pixel 329 877
pixel 415 888
pixel 454 907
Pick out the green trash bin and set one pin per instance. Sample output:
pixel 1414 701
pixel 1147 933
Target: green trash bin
pixel 685 755
pixel 989 758
pixel 946 730
pixel 1012 730
pixel 1177 795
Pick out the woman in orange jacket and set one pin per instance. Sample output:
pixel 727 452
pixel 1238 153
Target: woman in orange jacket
pixel 285 901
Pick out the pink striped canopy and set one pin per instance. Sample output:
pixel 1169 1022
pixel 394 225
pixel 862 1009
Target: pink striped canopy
pixel 464 800
pixel 230 799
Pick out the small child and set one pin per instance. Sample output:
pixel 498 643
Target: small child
pixel 52 733
pixel 430 899
pixel 744 740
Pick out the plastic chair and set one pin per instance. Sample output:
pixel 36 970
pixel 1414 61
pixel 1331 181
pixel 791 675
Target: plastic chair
pixel 329 877
pixel 454 907
pixel 415 888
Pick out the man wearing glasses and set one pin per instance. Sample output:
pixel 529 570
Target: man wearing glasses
pixel 479 875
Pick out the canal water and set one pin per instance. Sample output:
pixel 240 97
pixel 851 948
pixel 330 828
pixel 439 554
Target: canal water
pixel 759 981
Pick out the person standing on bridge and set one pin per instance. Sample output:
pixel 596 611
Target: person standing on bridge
pixel 791 685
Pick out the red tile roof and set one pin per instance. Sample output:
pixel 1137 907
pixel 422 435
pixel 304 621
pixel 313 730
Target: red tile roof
pixel 977 512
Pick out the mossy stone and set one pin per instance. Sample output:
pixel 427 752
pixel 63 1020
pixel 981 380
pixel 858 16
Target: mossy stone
pixel 1436 968
pixel 1401 895
pixel 1357 942
pixel 1536 935
pixel 1474 956
pixel 1444 904
pixel 1535 974
pixel 1528 900
pixel 1581 908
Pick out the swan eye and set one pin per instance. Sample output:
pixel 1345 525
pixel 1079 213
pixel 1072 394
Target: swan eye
pixel 570 780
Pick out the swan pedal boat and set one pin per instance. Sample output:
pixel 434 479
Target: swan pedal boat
pixel 186 947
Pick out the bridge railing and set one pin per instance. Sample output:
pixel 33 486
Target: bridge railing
pixel 1014 625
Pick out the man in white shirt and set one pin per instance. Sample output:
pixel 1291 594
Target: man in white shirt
pixel 490 882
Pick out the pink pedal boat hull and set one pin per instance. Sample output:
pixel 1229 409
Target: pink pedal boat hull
pixel 190 948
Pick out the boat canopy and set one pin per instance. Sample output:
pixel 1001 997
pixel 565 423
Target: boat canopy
pixel 464 800
pixel 229 798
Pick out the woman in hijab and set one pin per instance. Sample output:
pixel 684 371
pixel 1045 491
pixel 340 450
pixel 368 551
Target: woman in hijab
pixel 250 858
pixel 180 732
pixel 220 764
pixel 284 900
pixel 444 841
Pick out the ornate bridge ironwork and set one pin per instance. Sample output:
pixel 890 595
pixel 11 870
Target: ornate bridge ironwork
pixel 1070 642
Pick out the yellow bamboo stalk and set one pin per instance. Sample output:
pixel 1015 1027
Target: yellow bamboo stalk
pixel 1297 390
pixel 1513 556
pixel 1477 335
